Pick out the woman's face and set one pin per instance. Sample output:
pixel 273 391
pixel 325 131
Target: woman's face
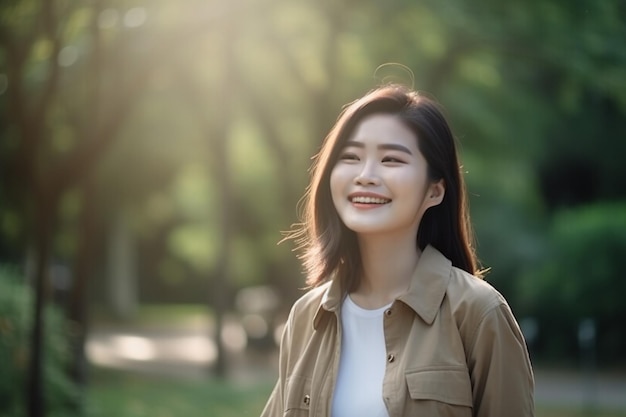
pixel 380 182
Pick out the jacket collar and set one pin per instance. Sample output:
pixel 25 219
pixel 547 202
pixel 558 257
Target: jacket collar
pixel 331 300
pixel 428 287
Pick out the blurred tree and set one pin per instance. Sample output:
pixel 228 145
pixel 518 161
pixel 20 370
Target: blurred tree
pixel 212 109
pixel 57 132
pixel 581 278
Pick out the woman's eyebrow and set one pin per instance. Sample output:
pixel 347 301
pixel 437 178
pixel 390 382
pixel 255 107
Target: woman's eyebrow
pixel 395 147
pixel 382 146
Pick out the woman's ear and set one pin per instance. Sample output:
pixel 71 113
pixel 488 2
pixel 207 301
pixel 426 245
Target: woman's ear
pixel 436 192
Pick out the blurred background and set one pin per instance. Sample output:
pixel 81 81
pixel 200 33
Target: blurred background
pixel 151 153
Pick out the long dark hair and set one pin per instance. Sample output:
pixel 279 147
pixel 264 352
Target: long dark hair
pixel 328 248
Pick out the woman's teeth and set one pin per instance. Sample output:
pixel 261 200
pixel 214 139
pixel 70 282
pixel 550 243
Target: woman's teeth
pixel 370 200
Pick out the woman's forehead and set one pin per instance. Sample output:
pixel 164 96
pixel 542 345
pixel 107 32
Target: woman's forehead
pixel 382 128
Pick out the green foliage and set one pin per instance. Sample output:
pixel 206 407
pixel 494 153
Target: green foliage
pixel 582 277
pixel 15 330
pixel 534 91
pixel 582 273
pixel 14 325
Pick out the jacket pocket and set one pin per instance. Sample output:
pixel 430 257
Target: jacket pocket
pixel 445 384
pixel 298 396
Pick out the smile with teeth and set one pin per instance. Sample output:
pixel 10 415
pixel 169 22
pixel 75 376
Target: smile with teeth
pixel 369 200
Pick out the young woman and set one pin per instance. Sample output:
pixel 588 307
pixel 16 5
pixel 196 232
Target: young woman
pixel 398 321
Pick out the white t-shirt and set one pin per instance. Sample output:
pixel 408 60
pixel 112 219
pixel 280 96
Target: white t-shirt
pixel 359 386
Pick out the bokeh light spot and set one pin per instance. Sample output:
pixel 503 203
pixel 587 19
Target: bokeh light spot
pixel 135 17
pixel 108 18
pixel 255 325
pixel 68 56
pixel 234 336
pixel 135 347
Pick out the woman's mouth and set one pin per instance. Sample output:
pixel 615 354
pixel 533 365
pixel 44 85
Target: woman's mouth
pixel 369 200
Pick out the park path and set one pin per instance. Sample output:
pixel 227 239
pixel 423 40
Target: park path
pixel 188 352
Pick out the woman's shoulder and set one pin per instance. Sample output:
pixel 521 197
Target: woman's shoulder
pixel 481 313
pixel 471 295
pixel 312 297
pixel 307 305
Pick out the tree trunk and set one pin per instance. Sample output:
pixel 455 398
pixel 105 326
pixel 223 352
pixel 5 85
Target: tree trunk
pixel 224 106
pixel 121 269
pixel 46 208
pixel 77 312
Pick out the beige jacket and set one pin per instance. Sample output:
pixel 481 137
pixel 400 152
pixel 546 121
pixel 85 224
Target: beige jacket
pixel 453 349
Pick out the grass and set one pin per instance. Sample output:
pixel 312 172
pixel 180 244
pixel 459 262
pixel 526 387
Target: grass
pixel 126 394
pixel 123 394
pixel 157 315
pixel 129 395
pixel 569 412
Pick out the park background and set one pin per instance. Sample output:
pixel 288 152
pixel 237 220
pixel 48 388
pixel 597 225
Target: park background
pixel 151 153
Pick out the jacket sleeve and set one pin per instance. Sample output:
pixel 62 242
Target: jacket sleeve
pixel 500 369
pixel 275 404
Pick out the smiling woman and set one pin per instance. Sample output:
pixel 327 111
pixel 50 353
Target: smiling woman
pixel 398 321
pixel 382 168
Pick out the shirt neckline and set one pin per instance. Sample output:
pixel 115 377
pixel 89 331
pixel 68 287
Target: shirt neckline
pixel 354 308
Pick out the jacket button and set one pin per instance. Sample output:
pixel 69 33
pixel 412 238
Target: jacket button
pixel 307 400
pixel 391 357
pixel 388 312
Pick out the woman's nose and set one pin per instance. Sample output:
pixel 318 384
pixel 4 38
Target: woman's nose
pixel 367 176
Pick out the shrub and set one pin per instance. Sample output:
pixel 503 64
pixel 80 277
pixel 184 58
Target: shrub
pixel 582 277
pixel 16 318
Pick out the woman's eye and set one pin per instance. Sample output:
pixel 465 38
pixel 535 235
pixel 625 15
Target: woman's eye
pixel 393 160
pixel 349 157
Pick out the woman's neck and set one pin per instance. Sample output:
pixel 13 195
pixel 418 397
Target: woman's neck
pixel 388 266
